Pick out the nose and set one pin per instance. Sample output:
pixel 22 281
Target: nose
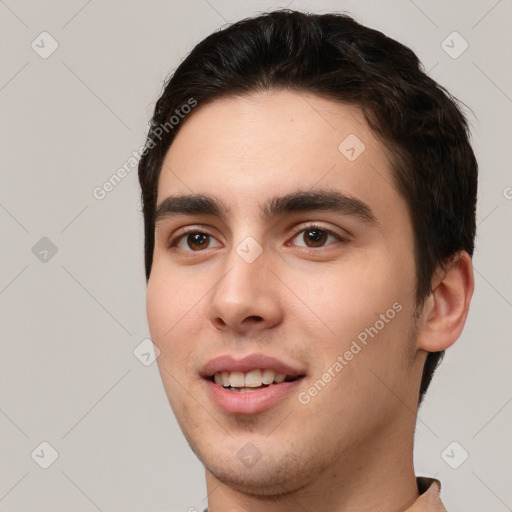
pixel 246 297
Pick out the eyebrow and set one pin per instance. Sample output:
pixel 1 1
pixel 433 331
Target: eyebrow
pixel 298 201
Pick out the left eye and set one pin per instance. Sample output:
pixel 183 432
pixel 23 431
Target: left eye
pixel 315 237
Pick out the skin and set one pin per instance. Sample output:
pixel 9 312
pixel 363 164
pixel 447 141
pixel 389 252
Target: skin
pixel 351 446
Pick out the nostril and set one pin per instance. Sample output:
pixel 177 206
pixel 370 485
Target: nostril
pixel 255 317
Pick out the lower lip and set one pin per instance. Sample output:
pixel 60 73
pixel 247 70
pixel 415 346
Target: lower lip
pixel 251 402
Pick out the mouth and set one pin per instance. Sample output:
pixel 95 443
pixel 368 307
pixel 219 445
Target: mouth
pixel 249 382
pixel 249 385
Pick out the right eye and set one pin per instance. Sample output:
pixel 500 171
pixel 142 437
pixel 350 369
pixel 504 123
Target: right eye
pixel 192 241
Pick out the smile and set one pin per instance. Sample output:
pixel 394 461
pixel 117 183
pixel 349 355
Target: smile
pixel 250 381
pixel 249 385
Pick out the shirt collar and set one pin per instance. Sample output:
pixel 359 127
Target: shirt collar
pixel 429 499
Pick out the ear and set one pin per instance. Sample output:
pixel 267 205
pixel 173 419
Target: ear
pixel 446 308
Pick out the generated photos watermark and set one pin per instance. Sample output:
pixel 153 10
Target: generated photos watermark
pixel 358 343
pixel 100 192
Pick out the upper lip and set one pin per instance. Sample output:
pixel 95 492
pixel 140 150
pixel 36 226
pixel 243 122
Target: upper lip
pixel 247 363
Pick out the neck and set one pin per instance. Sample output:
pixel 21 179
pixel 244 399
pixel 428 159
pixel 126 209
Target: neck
pixel 380 476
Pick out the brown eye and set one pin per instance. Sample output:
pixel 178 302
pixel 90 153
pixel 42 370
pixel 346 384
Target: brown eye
pixel 314 237
pixel 194 241
pixel 197 240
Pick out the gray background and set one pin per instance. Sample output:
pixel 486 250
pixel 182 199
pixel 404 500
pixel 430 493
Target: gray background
pixel 71 320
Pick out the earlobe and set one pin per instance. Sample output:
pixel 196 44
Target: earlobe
pixel 446 309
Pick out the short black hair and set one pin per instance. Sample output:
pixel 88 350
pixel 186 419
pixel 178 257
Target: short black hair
pixel 331 55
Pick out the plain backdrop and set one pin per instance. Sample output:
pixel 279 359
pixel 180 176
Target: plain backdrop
pixel 72 287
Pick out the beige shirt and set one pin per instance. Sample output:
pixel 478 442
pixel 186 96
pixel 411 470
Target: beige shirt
pixel 429 499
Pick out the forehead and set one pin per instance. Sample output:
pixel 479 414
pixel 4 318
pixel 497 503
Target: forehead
pixel 245 149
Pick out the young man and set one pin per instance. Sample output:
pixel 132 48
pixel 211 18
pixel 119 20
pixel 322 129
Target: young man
pixel 309 202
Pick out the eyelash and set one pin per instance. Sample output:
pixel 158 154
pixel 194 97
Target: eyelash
pixel 176 240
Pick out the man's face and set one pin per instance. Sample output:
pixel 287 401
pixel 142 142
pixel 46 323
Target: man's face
pixel 325 296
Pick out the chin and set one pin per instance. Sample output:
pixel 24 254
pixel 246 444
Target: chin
pixel 274 475
pixel 267 481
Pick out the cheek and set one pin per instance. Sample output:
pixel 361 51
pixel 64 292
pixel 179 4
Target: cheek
pixel 171 297
pixel 352 294
pixel 175 313
pixel 158 306
pixel 163 313
pixel 369 302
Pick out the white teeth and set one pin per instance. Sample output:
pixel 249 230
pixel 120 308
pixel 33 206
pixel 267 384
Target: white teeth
pixel 252 379
pixel 237 379
pixel 268 376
